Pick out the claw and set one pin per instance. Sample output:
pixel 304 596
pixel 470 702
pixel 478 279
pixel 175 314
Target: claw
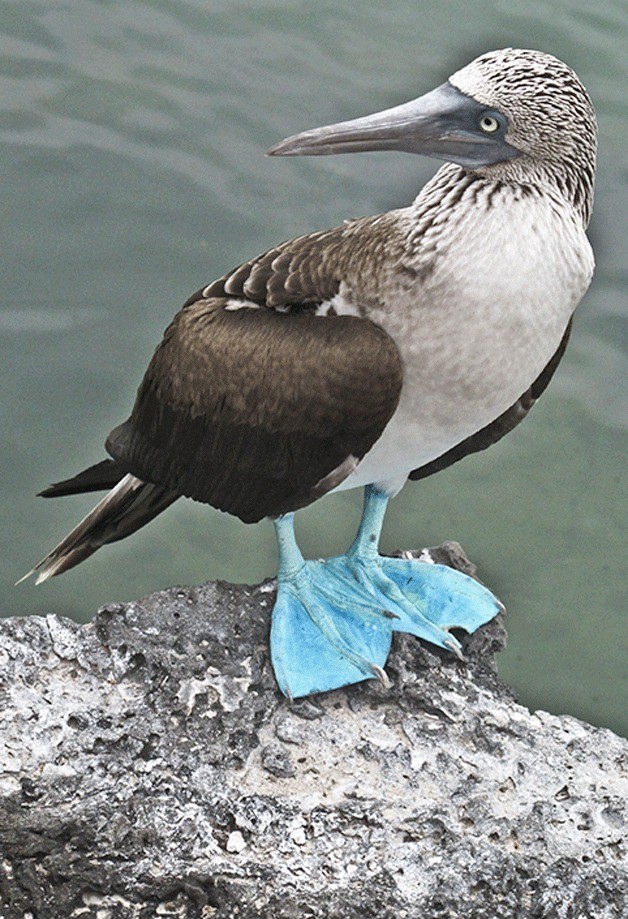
pixel 381 675
pixel 454 646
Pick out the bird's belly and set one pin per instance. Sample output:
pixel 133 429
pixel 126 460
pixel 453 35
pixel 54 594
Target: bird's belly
pixel 432 419
pixel 470 349
pixel 451 390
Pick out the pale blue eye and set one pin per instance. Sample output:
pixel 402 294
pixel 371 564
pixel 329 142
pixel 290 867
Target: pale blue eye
pixel 489 124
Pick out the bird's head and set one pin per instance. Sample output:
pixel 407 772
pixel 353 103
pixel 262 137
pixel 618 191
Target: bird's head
pixel 509 112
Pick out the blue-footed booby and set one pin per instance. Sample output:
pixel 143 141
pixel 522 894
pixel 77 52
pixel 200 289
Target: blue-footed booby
pixel 382 350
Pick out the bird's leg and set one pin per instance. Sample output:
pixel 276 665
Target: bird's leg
pixel 366 543
pixel 425 599
pixel 325 633
pixel 291 561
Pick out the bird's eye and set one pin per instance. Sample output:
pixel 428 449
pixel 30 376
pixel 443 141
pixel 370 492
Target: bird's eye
pixel 489 124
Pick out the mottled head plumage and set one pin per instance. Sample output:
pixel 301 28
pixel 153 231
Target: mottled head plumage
pixel 551 118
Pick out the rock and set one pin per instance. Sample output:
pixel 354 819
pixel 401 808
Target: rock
pixel 151 768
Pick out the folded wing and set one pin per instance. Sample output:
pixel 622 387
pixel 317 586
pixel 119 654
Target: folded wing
pixel 258 412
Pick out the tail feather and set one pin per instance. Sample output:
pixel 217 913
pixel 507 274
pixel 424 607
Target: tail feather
pixel 102 476
pixel 127 507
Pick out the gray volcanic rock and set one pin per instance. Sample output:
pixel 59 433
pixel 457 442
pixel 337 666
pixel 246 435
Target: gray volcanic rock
pixel 151 768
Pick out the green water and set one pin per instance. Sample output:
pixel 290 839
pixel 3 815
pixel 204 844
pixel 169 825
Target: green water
pixel 131 145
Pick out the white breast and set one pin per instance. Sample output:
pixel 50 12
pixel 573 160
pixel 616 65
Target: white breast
pixel 477 326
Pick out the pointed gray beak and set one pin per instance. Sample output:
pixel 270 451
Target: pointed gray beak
pixel 444 123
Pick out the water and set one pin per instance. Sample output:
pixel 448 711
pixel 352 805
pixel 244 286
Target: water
pixel 131 138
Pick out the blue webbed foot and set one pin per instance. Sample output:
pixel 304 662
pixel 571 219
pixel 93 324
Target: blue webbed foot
pixel 333 620
pixel 326 633
pixel 428 600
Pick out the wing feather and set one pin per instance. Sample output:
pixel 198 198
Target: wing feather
pixel 250 410
pixel 301 273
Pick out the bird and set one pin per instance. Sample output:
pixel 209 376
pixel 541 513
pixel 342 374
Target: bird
pixel 382 350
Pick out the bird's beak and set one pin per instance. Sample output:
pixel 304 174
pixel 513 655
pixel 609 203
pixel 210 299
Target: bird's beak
pixel 444 124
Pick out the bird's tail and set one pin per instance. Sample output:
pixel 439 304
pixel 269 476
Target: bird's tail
pixel 129 505
pixel 102 476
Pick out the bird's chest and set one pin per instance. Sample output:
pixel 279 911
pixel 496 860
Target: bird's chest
pixel 477 313
pixel 495 304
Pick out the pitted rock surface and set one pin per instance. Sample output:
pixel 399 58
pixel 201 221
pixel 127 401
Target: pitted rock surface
pixel 150 767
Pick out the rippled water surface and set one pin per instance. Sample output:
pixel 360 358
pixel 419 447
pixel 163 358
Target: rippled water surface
pixel 131 142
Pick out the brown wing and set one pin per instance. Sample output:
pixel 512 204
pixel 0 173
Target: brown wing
pixel 258 412
pixel 497 429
